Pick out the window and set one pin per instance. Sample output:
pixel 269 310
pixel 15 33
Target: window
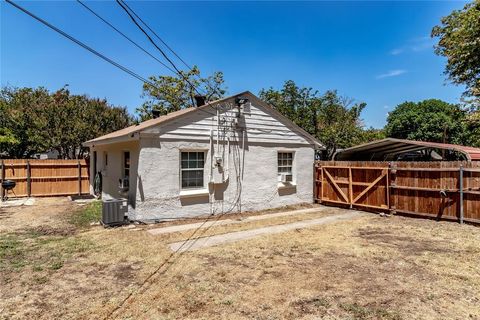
pixel 126 164
pixel 105 159
pixel 285 163
pixel 192 169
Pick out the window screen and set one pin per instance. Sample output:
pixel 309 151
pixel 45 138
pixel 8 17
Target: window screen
pixel 192 169
pixel 285 163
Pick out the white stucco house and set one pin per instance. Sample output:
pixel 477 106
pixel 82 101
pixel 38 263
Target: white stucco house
pixel 230 155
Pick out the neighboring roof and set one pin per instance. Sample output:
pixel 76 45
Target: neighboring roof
pixel 381 149
pixel 130 131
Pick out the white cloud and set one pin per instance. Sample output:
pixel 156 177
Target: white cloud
pixel 391 73
pixel 397 51
pixel 414 45
pixel 386 107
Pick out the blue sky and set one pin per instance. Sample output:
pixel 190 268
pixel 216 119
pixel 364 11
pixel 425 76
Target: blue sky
pixel 376 52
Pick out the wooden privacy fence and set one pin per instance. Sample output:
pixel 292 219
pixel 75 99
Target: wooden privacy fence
pixel 446 190
pixel 46 177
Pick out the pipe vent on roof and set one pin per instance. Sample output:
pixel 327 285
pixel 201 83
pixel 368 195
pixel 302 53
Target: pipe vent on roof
pixel 156 113
pixel 200 100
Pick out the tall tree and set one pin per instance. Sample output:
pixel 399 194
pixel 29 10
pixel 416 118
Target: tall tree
pixel 332 119
pixel 459 42
pixel 21 120
pixel 36 121
pixel 429 120
pixel 473 127
pixel 339 124
pixel 300 105
pixel 372 134
pixel 172 93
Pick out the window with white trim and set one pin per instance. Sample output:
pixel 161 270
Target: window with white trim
pixel 285 165
pixel 192 169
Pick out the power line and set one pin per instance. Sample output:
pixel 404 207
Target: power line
pixel 130 72
pixel 124 35
pixel 95 52
pixel 120 3
pixel 166 45
pixel 190 238
pixel 127 9
pixel 156 35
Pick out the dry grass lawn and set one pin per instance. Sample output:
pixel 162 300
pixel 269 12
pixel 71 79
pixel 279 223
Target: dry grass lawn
pixel 53 265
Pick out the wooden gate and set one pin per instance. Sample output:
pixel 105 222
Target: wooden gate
pixel 353 186
pixel 441 190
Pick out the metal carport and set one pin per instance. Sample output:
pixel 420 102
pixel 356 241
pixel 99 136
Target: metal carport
pixel 390 148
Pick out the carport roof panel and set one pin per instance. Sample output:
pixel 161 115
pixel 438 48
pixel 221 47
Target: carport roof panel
pixel 397 146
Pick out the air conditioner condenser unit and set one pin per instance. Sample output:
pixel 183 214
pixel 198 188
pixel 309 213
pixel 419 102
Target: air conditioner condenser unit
pixel 114 212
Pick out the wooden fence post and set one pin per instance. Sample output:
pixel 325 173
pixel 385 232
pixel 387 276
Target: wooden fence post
pixel 3 178
pixel 79 178
pixel 392 177
pixel 460 187
pixel 350 187
pixel 321 185
pixel 29 179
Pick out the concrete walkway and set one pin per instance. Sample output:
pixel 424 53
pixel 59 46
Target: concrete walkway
pixel 17 202
pixel 249 234
pixel 208 224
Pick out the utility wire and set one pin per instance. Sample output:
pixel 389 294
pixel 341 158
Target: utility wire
pixel 125 36
pixel 156 35
pixel 166 45
pixel 120 3
pixel 83 45
pixel 130 72
pixel 127 9
pixel 178 251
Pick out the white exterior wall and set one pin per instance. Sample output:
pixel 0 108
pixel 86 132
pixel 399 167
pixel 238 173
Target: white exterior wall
pixel 159 186
pixel 255 140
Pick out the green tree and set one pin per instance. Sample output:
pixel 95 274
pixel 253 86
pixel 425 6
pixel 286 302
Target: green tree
pixel 429 120
pixel 21 121
pixel 74 119
pixel 332 119
pixel 172 93
pixel 301 105
pixel 7 138
pixel 372 134
pixel 34 121
pixel 339 123
pixel 459 42
pixel 473 127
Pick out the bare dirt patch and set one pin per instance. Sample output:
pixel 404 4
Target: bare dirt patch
pixel 46 230
pixel 45 212
pixel 369 268
pixel 407 244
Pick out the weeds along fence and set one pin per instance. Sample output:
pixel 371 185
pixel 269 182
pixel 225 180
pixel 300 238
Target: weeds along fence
pixel 443 190
pixel 45 177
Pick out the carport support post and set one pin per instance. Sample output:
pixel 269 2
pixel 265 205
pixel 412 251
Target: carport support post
pixel 3 178
pixel 460 187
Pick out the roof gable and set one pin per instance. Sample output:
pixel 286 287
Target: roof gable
pixel 133 131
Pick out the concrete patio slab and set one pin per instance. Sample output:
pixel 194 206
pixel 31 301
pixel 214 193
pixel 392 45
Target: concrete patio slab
pixel 208 224
pixel 195 244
